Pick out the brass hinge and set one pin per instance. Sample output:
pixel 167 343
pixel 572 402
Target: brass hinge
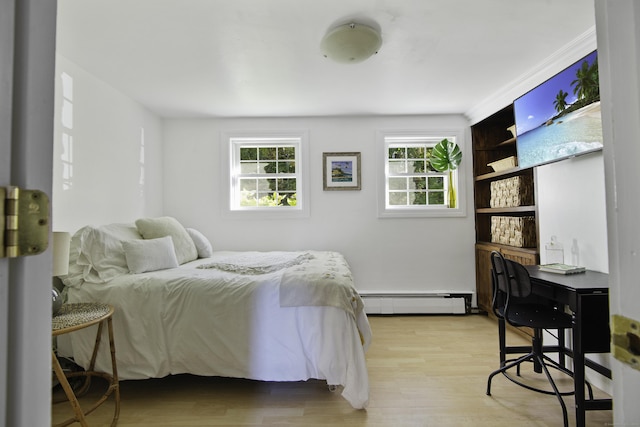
pixel 24 222
pixel 625 338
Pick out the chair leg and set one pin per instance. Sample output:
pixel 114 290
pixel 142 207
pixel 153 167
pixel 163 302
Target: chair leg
pixel 502 341
pixel 566 370
pixel 555 389
pixel 507 366
pixel 543 367
pixel 536 343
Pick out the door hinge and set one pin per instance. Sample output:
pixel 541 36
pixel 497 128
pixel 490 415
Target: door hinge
pixel 24 222
pixel 625 337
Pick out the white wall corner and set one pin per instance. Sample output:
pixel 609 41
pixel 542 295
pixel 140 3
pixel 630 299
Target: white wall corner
pixel 571 52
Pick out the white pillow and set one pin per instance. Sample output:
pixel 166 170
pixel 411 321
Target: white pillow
pixel 150 255
pixel 203 245
pixel 152 228
pixel 96 253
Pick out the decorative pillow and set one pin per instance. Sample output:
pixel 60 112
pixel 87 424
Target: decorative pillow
pixel 203 245
pixel 96 253
pixel 152 228
pixel 150 255
pixel 74 278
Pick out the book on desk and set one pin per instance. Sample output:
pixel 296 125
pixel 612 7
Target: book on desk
pixel 559 268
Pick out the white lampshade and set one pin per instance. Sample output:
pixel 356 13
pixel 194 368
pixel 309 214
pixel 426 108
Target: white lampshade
pixel 351 43
pixel 61 244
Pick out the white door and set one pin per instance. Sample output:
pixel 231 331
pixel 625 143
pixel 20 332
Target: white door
pixel 618 30
pixel 6 67
pixel 27 60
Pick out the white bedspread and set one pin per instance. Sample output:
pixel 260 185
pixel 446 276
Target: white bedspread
pixel 208 321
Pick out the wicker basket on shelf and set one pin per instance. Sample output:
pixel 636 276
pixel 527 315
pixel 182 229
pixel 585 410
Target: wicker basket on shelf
pixel 503 164
pixel 519 231
pixel 511 192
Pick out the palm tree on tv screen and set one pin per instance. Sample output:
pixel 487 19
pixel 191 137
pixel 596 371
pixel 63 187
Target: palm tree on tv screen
pixel 561 101
pixel 585 85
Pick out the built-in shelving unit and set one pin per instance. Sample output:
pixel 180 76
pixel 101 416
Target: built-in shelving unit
pixel 492 141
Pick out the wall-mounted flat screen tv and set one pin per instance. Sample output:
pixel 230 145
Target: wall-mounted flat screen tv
pixel 561 117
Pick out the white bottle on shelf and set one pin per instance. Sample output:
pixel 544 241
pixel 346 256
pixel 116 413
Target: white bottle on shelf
pixel 554 251
pixel 575 253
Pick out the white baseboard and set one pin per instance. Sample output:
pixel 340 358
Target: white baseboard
pixel 424 303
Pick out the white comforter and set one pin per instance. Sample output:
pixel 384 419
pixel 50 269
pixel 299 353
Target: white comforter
pixel 214 321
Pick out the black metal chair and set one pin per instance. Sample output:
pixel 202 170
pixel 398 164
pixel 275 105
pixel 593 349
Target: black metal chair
pixel 514 303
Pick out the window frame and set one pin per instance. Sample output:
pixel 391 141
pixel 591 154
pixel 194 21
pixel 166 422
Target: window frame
pixel 234 140
pixel 385 139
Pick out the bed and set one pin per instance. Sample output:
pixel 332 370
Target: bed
pixel 181 307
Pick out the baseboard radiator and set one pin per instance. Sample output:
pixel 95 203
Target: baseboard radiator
pixel 417 303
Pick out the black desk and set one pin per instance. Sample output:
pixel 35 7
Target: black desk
pixel 587 296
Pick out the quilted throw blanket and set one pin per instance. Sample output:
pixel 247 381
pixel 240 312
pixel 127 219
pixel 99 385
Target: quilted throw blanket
pixel 310 278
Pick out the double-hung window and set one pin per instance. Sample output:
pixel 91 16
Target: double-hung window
pixel 267 173
pixel 411 186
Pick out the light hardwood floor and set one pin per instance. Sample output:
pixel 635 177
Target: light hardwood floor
pixel 423 371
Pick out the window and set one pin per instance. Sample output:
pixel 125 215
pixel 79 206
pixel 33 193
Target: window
pixel 411 179
pixel 141 164
pixel 411 186
pixel 267 173
pixel 66 157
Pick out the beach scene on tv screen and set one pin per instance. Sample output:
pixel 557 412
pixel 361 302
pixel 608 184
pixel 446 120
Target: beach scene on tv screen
pixel 560 118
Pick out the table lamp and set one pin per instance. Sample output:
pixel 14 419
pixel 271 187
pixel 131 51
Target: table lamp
pixel 61 244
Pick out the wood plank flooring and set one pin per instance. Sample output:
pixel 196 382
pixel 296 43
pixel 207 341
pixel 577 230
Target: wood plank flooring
pixel 423 371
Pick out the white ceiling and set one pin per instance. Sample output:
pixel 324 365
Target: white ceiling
pixel 246 58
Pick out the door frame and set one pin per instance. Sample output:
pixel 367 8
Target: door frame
pixel 618 25
pixel 6 79
pixel 27 53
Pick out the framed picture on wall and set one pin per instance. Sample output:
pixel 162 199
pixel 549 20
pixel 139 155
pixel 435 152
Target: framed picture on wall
pixel 341 171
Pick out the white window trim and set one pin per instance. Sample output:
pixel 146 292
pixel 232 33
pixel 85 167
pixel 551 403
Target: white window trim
pixel 301 210
pixel 420 211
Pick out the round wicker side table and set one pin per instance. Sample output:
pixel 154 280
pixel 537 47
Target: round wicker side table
pixel 73 317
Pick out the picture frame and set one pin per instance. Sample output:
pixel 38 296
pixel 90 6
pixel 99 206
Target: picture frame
pixel 341 171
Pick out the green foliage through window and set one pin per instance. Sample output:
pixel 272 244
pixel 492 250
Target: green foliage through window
pixel 267 175
pixel 411 179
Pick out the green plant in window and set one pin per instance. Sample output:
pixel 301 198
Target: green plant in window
pixel 397 153
pixel 416 153
pixel 267 153
pixel 436 183
pixel 420 183
pixel 291 199
pixel 273 199
pixel 419 166
pixel 286 153
pixel 419 199
pixel 248 153
pixel 436 197
pixel 446 156
pixel 248 198
pixel 286 167
pixel 276 199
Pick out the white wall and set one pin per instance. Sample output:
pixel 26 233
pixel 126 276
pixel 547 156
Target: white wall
pixel 619 41
pixel 107 131
pixel 413 254
pixel 571 205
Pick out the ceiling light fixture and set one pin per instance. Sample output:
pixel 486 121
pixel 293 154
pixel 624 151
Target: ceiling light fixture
pixel 351 43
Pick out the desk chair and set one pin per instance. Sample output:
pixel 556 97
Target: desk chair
pixel 514 303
